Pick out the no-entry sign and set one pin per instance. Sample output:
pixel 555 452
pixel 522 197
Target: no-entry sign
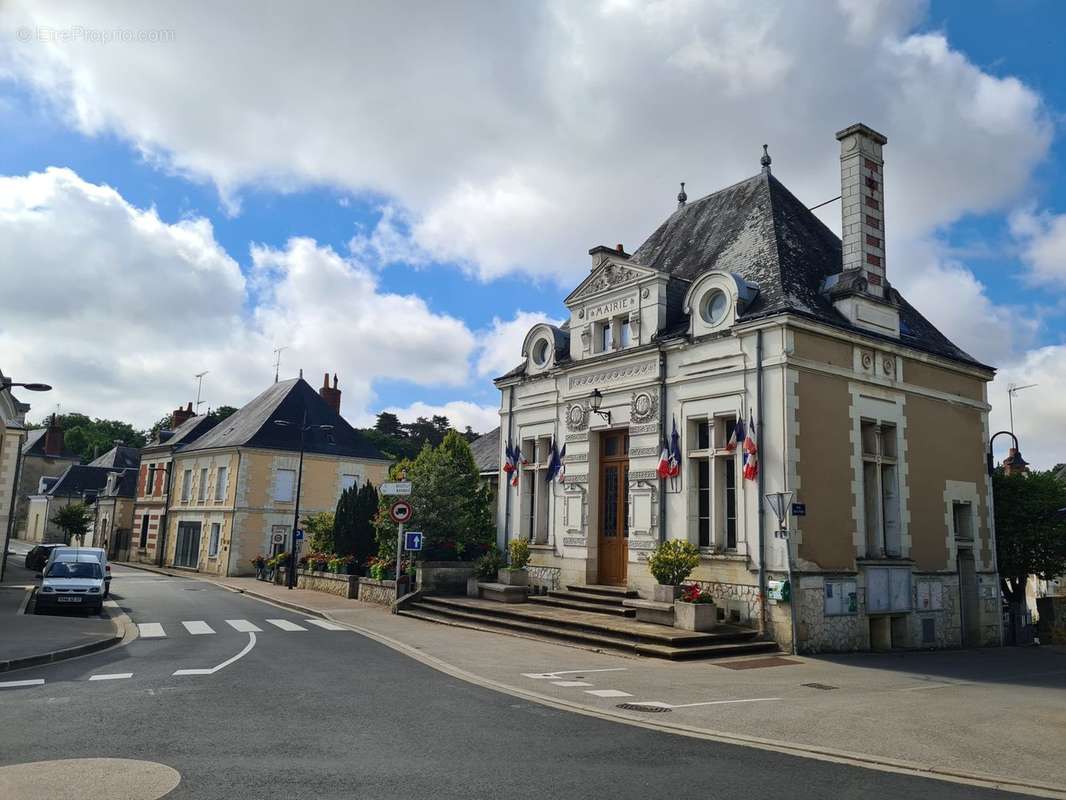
pixel 400 511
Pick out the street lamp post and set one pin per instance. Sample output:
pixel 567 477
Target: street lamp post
pixel 6 384
pixel 304 428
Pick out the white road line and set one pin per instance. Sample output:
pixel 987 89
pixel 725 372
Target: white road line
pixel 607 693
pixel 198 627
pixel 114 676
pixel 329 626
pixel 570 684
pixel 151 630
pixel 725 702
pixel 931 686
pixel 285 625
pixel 549 675
pixel 243 625
pixel 16 684
pixel 247 649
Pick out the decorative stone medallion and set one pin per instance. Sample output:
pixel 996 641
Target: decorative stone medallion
pixel 577 417
pixel 867 361
pixel 644 407
pixel 888 364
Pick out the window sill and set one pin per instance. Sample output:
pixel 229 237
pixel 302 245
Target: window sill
pixel 886 561
pixel 543 546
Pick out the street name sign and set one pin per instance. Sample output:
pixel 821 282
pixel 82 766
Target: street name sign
pixel 396 488
pixel 412 540
pixel 799 509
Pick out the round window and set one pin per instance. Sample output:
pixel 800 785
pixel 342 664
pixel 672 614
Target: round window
pixel 540 352
pixel 713 306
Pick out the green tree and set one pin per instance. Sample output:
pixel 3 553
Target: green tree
pixel 449 503
pixel 354 531
pixel 318 530
pixel 73 520
pixel 1030 529
pixel 222 412
pixel 389 424
pixel 92 437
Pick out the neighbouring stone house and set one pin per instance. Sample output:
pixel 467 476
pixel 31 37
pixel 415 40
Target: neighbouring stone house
pixel 12 434
pixel 486 452
pixel 234 487
pixel 113 513
pixel 743 310
pixel 44 455
pixel 155 480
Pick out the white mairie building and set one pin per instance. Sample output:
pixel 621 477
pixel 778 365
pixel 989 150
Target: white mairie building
pixel 744 306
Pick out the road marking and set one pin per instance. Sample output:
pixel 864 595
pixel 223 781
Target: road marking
pixel 329 626
pixel 151 630
pixel 721 702
pixel 932 686
pixel 607 693
pixel 16 684
pixel 247 649
pixel 285 625
pixel 570 684
pixel 114 676
pixel 198 627
pixel 244 626
pixel 549 675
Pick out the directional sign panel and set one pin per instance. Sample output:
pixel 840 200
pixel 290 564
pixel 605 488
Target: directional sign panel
pixel 299 534
pixel 412 540
pixel 400 511
pixel 396 488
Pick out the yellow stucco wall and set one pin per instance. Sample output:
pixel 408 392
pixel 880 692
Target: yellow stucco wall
pixel 822 348
pixel 942 380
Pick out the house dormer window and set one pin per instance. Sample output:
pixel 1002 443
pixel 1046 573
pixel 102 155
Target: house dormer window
pixel 713 306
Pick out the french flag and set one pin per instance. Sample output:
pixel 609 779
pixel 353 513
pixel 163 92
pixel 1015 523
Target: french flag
pixel 508 464
pixel 751 452
pixel 663 470
pixel 674 462
pixel 736 437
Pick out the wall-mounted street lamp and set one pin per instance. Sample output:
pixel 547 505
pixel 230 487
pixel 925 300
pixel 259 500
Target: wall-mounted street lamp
pixel 304 428
pixel 1015 455
pixel 595 401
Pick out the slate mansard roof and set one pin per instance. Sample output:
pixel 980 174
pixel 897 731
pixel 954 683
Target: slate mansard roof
pixel 759 230
pixel 486 451
pixel 33 445
pixel 253 425
pixel 188 431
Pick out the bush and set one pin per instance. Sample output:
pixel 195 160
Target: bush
pixel 519 552
pixel 488 565
pixel 673 561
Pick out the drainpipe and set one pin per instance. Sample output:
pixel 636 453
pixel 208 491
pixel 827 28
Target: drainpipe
pixel 759 482
pixel 662 419
pixel 507 482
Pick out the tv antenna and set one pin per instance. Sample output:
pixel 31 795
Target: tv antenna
pixel 277 361
pixel 1012 390
pixel 199 384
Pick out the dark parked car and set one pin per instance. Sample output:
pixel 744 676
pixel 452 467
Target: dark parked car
pixel 38 555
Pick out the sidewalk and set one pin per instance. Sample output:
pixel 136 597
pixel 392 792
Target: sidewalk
pixel 994 716
pixel 29 639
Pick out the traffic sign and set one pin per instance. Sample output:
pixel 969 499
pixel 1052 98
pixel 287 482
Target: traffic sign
pixel 299 534
pixel 400 511
pixel 278 538
pixel 412 540
pixel 799 509
pixel 396 488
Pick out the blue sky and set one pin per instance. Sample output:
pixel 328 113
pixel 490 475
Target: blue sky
pixel 474 167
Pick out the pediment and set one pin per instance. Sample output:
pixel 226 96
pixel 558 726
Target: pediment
pixel 607 276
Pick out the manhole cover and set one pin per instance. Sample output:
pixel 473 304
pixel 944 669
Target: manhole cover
pixel 825 687
pixel 650 709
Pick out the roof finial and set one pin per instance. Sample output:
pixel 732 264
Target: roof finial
pixel 682 198
pixel 765 160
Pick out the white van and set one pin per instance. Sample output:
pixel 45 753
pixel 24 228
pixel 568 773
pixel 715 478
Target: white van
pixel 97 554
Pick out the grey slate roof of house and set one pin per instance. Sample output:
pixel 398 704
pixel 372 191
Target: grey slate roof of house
pixel 486 450
pixel 190 430
pixel 118 457
pixel 125 486
pixel 758 229
pixel 34 445
pixel 253 425
pixel 78 479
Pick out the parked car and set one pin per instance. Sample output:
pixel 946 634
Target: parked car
pixel 38 556
pixel 98 554
pixel 72 584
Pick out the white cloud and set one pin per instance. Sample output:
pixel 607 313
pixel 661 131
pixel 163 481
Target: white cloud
pixel 501 342
pixel 516 136
pixel 118 309
pixel 1042 236
pixel 460 413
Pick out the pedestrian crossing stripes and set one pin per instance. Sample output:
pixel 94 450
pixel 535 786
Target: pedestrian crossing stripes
pixel 199 627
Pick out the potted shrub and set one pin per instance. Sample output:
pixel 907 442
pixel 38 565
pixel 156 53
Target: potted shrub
pixel 670 564
pixel 486 568
pixel 515 574
pixel 321 561
pixel 259 562
pixel 341 565
pixel 695 610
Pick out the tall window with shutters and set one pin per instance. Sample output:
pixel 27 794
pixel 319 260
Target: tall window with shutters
pixel 713 481
pixel 880 489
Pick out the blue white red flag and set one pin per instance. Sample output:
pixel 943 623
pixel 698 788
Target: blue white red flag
pixel 663 468
pixel 508 463
pixel 553 462
pixel 674 462
pixel 751 452
pixel 736 437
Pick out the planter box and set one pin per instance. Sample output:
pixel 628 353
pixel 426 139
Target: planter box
pixel 329 582
pixel 695 616
pixel 444 577
pixel 472 589
pixel 382 593
pixel 513 577
pixel 665 593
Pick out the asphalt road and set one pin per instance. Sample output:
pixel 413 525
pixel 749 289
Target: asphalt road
pixel 318 713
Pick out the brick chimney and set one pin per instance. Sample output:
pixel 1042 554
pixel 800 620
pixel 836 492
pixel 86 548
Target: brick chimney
pixel 331 394
pixel 180 415
pixel 862 203
pixel 53 438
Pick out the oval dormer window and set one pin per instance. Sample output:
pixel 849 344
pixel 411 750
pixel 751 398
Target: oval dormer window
pixel 714 306
pixel 540 352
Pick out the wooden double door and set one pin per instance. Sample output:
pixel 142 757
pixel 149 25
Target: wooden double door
pixel 613 551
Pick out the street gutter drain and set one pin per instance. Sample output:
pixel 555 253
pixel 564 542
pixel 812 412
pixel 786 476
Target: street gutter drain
pixel 823 686
pixel 642 707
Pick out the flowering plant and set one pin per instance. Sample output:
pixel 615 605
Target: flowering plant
pixel 695 593
pixel 259 561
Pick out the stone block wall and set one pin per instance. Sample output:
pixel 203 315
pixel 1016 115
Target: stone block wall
pixel 1051 627
pixel 381 593
pixel 340 585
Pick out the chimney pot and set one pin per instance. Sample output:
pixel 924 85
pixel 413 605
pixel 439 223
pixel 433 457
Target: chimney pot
pixel 332 395
pixel 53 438
pixel 862 204
pixel 179 415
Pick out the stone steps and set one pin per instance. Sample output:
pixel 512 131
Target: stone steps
pixel 579 605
